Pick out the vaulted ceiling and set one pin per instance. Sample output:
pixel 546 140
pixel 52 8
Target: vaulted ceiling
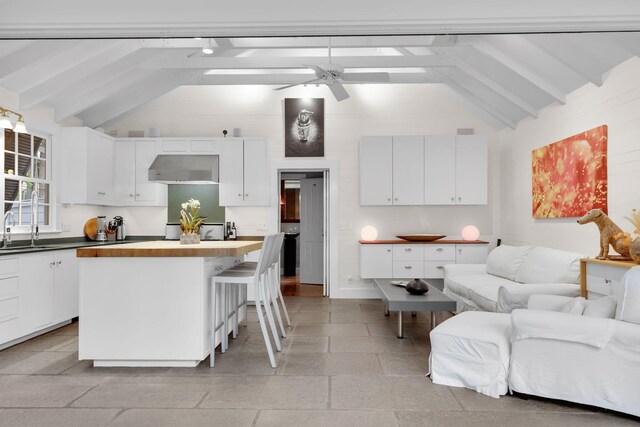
pixel 505 78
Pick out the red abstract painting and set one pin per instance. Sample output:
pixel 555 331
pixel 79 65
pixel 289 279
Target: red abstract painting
pixel 569 177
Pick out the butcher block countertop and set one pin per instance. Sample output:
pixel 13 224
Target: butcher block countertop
pixel 170 248
pixel 433 242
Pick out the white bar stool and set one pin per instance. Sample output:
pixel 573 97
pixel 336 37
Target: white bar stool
pixel 257 278
pixel 273 281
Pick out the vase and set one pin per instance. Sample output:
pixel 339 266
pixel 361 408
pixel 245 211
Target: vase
pixel 189 239
pixel 634 250
pixel 417 287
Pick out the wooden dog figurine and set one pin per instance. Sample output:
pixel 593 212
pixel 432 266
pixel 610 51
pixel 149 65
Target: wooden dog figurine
pixel 610 234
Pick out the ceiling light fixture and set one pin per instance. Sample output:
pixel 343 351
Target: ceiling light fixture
pixel 208 50
pixel 5 123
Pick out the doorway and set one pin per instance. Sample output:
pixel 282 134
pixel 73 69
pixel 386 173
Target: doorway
pixel 303 219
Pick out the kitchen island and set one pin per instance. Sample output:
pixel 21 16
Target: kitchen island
pixel 147 303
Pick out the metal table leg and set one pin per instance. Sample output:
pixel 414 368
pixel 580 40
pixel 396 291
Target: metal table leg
pixel 400 334
pixel 433 320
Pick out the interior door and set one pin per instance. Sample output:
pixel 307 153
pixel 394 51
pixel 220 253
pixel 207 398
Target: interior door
pixel 325 282
pixel 312 231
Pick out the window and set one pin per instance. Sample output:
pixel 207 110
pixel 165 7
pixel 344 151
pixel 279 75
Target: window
pixel 27 170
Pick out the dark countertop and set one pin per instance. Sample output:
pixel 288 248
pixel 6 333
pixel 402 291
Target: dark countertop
pixel 20 247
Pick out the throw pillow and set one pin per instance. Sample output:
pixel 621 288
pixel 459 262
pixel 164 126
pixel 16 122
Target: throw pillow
pixel 546 265
pixel 504 261
pixel 602 307
pixel 507 302
pixel 629 296
pixel 575 306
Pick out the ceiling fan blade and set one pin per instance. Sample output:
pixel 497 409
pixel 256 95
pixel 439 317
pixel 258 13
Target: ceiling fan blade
pixel 296 84
pixel 366 77
pixel 319 70
pixel 338 91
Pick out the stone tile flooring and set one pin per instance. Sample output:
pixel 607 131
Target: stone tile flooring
pixel 341 365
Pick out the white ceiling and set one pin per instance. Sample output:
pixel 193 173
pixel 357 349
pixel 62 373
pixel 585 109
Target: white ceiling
pixel 506 77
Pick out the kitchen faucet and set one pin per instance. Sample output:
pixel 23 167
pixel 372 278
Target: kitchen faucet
pixel 6 241
pixel 35 231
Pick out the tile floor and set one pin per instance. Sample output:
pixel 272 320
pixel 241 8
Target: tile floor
pixel 340 366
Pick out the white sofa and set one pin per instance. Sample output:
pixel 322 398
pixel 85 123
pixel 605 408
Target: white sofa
pixel 549 350
pixel 522 270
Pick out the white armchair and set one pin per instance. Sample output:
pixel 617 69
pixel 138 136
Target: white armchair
pixel 580 359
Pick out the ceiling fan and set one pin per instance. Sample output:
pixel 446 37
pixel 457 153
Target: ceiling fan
pixel 333 76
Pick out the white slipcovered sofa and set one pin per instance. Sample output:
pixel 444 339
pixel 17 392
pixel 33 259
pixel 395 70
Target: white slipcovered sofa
pixel 561 348
pixel 521 270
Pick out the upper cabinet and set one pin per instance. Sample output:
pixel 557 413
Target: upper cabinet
pixel 429 170
pixel 391 170
pixel 89 178
pixel 243 172
pixel 132 185
pixel 455 170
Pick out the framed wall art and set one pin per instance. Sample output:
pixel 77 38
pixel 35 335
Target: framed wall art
pixel 569 177
pixel 304 127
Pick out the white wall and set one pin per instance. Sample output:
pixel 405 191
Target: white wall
pixel 616 104
pixel 371 110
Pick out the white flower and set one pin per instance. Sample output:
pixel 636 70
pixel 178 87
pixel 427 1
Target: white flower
pixel 194 203
pixel 184 206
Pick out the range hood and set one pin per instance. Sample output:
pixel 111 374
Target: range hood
pixel 184 169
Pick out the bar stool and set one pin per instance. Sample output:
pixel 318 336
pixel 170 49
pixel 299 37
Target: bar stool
pixel 273 281
pixel 257 278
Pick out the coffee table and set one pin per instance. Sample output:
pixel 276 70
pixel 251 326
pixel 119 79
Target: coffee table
pixel 396 298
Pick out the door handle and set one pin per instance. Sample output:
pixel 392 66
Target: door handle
pixel 408 267
pixel 407 249
pixel 439 250
pixel 440 267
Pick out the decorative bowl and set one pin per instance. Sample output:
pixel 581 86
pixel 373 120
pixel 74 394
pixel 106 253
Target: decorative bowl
pixel 421 237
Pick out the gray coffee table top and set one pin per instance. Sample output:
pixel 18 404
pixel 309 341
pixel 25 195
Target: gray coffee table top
pixel 398 299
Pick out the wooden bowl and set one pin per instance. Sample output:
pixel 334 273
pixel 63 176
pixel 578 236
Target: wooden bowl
pixel 421 237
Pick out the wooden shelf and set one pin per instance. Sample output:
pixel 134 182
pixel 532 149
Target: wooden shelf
pixel 433 242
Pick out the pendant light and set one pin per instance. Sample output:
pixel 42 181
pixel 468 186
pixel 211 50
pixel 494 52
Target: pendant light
pixel 208 49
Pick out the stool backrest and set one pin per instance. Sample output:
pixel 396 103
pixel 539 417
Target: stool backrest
pixel 276 248
pixel 264 261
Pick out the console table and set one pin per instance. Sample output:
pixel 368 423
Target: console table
pixel 597 276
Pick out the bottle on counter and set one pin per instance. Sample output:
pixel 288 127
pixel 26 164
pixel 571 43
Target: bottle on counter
pixel 234 233
pixel 227 231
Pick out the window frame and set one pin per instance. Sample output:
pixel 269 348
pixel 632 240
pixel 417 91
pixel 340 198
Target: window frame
pixel 48 180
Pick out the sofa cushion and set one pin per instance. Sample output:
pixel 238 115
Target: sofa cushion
pixel 602 307
pixel 546 265
pixel 462 284
pixel 504 261
pixel 574 306
pixel 628 296
pixel 485 295
pixel 507 302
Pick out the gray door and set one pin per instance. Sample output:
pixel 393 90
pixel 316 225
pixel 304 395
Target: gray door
pixel 312 231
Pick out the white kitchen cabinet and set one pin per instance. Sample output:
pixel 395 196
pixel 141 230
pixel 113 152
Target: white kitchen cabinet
pixel 187 145
pixel 392 170
pixel 408 170
pixel 48 289
pixel 471 170
pixel 471 254
pixel 455 170
pixel 376 261
pixel 243 172
pixel 89 178
pixel 376 173
pixel 9 300
pixel 409 261
pixel 132 185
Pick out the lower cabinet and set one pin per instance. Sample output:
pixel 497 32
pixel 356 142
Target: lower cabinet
pixel 408 261
pixel 42 292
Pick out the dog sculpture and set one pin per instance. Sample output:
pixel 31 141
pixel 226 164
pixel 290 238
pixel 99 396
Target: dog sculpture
pixel 610 234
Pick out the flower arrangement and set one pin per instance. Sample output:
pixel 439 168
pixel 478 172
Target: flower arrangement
pixel 190 220
pixel 635 220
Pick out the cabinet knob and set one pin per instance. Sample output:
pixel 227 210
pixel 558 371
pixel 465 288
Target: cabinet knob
pixel 408 267
pixel 137 194
pixel 396 199
pixel 459 199
pixel 239 194
pixel 388 199
pixel 440 267
pixel 608 281
pixel 59 262
pixel 459 251
pixel 130 194
pixel 246 195
pixel 407 249
pixel 439 250
pixel 453 199
pixel 388 250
